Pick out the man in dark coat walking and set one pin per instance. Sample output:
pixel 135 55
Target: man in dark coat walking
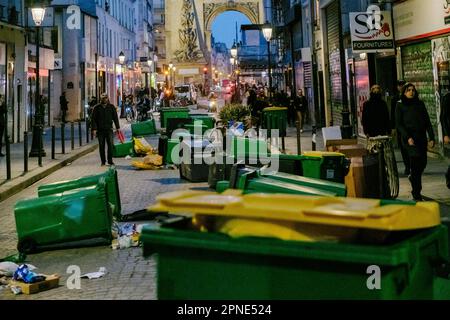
pixel 64 104
pixel 103 117
pixel 375 117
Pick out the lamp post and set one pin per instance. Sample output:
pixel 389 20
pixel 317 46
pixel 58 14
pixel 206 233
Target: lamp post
pixel 150 65
pixel 174 69
pixel 267 32
pixel 170 73
pixel 234 52
pixel 122 61
pixel 37 149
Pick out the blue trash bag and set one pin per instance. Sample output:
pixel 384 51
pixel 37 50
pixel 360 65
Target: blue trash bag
pixel 24 274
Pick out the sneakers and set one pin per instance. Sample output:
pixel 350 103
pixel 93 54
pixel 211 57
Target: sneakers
pixel 111 164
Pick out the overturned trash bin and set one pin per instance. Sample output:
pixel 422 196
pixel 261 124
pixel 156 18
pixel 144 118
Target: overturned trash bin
pixel 294 247
pixel 73 215
pixel 112 183
pixel 144 128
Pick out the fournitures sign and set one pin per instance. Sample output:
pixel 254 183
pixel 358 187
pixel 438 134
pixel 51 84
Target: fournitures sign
pixel 372 30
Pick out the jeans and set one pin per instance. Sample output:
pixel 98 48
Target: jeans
pixel 105 137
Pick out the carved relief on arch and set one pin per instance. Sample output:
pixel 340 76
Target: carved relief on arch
pixel 248 8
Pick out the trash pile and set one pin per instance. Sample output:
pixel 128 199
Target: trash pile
pixel 23 279
pixel 125 236
pixel 151 160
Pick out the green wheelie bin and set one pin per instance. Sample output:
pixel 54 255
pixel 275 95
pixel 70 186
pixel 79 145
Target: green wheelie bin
pixel 406 258
pixel 208 121
pixel 144 128
pixel 112 187
pixel 275 118
pixel 167 113
pixel 72 215
pixel 331 166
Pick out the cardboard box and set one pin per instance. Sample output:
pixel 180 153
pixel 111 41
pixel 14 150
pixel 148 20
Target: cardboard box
pixel 351 151
pixel 332 145
pixel 50 282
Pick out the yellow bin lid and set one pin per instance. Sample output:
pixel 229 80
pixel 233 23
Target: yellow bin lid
pixel 332 211
pixel 275 109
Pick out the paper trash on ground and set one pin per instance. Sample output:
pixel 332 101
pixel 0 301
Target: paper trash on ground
pixel 95 275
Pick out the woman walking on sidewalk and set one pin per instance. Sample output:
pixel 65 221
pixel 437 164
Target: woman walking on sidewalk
pixel 413 124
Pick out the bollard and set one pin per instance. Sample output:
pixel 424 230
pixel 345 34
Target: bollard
pixel 299 137
pixel 25 152
pixel 72 134
pixel 80 138
pixel 63 139
pixel 40 147
pixel 87 130
pixel 314 138
pixel 53 142
pixel 8 157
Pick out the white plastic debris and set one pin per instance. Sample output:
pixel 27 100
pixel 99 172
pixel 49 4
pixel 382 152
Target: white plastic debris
pixel 95 275
pixel 128 157
pixel 8 268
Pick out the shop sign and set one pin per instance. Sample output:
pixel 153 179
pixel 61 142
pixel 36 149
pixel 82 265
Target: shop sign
pixel 416 19
pixel 372 31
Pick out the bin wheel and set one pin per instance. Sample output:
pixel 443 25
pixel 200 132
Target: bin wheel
pixel 26 246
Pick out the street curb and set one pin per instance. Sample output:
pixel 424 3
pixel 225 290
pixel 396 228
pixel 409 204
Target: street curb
pixel 20 183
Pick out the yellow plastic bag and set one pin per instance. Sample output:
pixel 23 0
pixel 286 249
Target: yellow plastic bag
pixel 153 159
pixel 142 147
pixel 142 165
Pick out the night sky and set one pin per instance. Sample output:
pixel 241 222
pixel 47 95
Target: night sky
pixel 224 26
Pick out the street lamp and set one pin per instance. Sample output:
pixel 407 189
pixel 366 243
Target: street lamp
pixel 173 75
pixel 37 149
pixel 267 32
pixel 122 69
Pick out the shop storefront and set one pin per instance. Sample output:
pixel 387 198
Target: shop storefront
pixel 424 57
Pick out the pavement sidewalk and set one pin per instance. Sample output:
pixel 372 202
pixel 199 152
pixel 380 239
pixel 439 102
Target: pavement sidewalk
pixel 21 180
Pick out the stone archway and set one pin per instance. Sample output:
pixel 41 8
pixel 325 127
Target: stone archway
pixel 212 9
pixel 188 26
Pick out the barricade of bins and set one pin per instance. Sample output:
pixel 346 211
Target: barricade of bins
pixel 296 247
pixel 69 211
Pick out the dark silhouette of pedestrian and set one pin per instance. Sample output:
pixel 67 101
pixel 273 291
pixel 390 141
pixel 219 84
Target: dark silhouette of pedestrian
pixel 445 123
pixel 103 117
pixel 64 104
pixel 375 116
pixel 395 100
pixel 301 107
pixel 413 123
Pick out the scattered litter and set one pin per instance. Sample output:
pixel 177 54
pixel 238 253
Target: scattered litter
pixel 8 268
pixel 95 275
pixel 49 282
pixel 2 287
pixel 16 290
pixel 26 275
pixel 128 157
pixel 124 242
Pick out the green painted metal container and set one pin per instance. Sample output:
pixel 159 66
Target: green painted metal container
pixel 202 265
pixel 143 128
pixel 264 185
pixel 73 215
pixel 172 113
pixel 112 187
pixel 242 147
pixel 209 122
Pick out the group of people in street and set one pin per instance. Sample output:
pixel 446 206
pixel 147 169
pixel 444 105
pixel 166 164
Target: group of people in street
pixel 411 123
pixel 297 105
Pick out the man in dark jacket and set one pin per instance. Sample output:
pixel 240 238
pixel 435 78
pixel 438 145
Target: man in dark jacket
pixel 413 124
pixel 301 107
pixel 394 101
pixel 375 117
pixel 64 104
pixel 445 123
pixel 103 116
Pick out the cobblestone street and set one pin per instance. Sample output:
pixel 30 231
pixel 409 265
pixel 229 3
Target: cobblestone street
pixel 130 276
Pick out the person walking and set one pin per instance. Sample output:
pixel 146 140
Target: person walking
pixel 375 116
pixel 301 107
pixel 445 123
pixel 64 104
pixel 103 117
pixel 2 121
pixel 413 123
pixel 395 100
